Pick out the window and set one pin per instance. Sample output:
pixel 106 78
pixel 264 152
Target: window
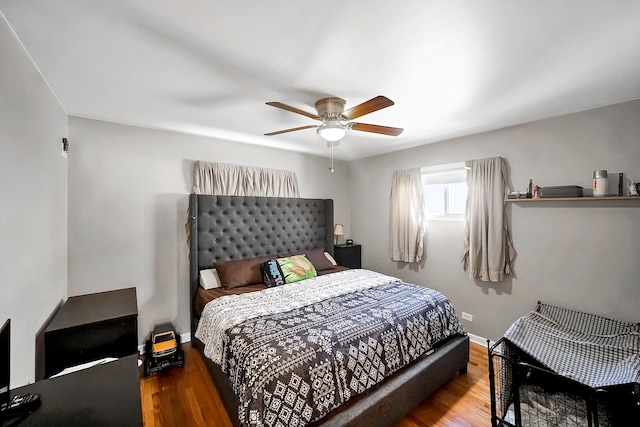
pixel 445 191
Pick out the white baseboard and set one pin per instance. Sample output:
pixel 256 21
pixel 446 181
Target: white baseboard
pixel 186 337
pixel 477 339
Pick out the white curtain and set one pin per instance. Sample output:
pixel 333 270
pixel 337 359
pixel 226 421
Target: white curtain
pixel 234 180
pixel 407 216
pixel 488 250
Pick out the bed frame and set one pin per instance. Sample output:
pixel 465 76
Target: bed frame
pixel 236 227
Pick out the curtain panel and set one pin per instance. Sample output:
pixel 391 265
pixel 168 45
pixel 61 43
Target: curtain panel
pixel 488 251
pixel 220 179
pixel 234 180
pixel 407 217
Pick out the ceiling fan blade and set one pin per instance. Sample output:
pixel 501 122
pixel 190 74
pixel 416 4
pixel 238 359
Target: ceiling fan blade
pixel 374 104
pixel 290 130
pixel 384 130
pixel 293 109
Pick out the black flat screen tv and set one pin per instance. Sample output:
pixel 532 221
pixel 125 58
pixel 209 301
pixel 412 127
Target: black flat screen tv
pixel 5 341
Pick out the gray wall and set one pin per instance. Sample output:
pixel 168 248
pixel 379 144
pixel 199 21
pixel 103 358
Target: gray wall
pixel 128 194
pixel 578 255
pixel 33 186
pixel 128 190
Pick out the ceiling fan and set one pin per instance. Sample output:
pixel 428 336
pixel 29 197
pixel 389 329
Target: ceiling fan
pixel 330 111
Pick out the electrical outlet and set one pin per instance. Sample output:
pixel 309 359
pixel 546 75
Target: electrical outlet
pixel 467 316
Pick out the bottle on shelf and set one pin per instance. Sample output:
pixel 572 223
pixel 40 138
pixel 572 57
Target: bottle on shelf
pixel 599 183
pixel 530 189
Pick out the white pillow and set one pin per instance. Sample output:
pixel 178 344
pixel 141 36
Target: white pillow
pixel 209 279
pixel 330 258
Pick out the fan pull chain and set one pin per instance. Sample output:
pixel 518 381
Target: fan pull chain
pixel 331 169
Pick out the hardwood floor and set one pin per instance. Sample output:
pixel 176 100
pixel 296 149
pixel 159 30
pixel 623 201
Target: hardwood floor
pixel 462 402
pixel 187 397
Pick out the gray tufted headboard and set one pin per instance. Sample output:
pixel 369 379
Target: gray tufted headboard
pixel 235 227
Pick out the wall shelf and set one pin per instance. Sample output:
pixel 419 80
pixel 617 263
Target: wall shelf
pixel 575 199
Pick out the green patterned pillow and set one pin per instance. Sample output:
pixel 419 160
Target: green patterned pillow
pixel 276 272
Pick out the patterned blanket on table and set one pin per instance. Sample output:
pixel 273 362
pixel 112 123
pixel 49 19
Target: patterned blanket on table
pixel 294 353
pixel 590 349
pixel 593 350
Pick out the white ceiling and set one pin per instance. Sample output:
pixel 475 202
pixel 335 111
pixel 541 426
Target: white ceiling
pixel 452 67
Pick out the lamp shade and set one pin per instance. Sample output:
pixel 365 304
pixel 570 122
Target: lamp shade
pixel 331 131
pixel 338 230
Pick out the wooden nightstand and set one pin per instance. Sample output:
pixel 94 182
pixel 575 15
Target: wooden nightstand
pixel 348 255
pixel 90 327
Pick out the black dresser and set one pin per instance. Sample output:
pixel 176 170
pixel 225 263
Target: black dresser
pixel 348 255
pixel 102 396
pixel 90 327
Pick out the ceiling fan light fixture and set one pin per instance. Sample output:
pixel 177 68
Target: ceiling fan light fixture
pixel 331 112
pixel 331 131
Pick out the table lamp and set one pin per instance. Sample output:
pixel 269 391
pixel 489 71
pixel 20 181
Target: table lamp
pixel 338 230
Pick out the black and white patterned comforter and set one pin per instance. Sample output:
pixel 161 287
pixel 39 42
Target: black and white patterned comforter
pixel 294 353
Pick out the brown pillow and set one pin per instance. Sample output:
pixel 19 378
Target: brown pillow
pixel 317 258
pixel 242 272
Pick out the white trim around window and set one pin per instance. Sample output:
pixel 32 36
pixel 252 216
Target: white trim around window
pixel 444 198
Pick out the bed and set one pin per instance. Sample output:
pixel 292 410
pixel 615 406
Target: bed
pixel 232 228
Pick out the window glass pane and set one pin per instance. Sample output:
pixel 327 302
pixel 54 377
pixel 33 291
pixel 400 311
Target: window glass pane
pixel 457 198
pixel 434 198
